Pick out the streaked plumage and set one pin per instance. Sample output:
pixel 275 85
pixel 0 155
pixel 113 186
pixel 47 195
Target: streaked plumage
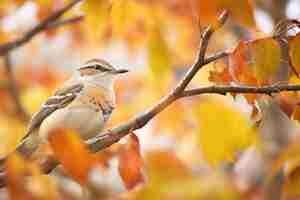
pixel 84 103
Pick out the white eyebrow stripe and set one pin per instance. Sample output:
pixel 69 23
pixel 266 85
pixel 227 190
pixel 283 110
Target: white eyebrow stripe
pixel 94 64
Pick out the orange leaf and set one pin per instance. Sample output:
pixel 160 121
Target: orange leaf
pixel 131 163
pixel 72 153
pixel 25 180
pixel 256 62
pixel 15 172
pixel 294 52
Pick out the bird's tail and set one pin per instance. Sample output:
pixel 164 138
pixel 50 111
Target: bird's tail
pixel 26 148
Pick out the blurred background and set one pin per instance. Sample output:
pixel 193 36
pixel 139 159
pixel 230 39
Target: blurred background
pixel 199 147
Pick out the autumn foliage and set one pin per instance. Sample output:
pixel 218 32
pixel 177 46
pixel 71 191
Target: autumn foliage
pixel 235 137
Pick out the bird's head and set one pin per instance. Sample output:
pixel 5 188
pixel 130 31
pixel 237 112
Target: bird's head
pixel 99 71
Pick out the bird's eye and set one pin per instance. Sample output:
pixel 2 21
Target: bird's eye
pixel 101 68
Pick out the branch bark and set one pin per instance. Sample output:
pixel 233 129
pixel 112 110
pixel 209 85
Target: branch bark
pixel 59 23
pixel 13 89
pixel 222 89
pixel 43 25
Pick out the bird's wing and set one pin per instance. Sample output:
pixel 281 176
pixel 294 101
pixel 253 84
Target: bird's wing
pixel 60 99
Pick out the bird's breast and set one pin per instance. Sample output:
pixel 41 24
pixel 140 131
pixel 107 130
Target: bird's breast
pixel 86 121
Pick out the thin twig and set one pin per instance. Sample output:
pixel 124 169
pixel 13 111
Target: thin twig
pixel 200 61
pixel 5 48
pixel 13 89
pixel 71 20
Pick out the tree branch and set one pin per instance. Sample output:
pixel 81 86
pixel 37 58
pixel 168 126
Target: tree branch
pixel 43 25
pixel 221 89
pixel 13 89
pixel 114 135
pixel 71 20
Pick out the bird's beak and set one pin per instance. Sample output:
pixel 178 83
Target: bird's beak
pixel 121 71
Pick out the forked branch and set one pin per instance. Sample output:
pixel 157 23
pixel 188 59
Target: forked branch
pixel 114 135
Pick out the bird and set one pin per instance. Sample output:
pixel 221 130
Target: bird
pixel 83 103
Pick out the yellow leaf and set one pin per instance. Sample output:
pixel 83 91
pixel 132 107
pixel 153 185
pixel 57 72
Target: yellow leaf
pixel 257 61
pixel 294 52
pixel 159 57
pixel 11 131
pixel 128 19
pixel 25 180
pixel 223 129
pixel 2 3
pixel 119 14
pixel 96 16
pixel 33 98
pixel 170 178
pixel 293 183
pixel 266 55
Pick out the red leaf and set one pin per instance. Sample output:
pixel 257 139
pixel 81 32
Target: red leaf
pixel 131 163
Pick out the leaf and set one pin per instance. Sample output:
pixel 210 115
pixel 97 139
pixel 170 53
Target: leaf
pixel 96 16
pixel 294 52
pixel 3 35
pixel 164 170
pixel 34 97
pixel 256 62
pixel 241 11
pixel 120 15
pixel 170 178
pixel 292 184
pixel 66 144
pixel 16 169
pixel 3 4
pixel 223 129
pixel 159 57
pixel 219 73
pixel 25 180
pixel 9 141
pixel 165 160
pixel 131 162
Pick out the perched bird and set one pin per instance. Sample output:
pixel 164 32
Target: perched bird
pixel 84 103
